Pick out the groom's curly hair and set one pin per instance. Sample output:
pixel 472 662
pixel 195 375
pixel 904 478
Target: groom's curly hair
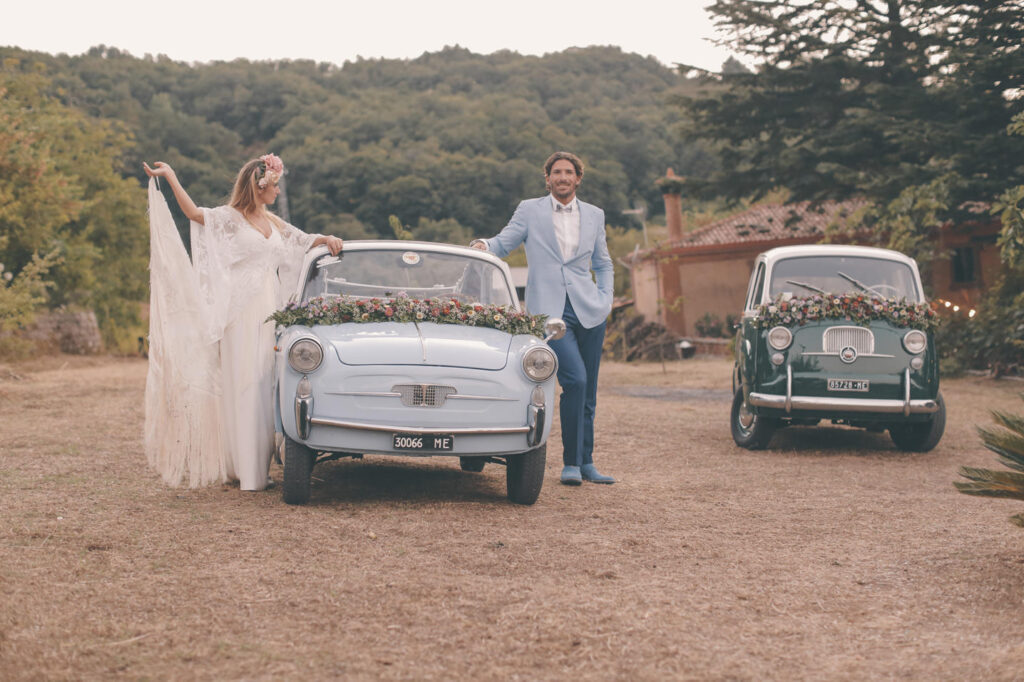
pixel 564 156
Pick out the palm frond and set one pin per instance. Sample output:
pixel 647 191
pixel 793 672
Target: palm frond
pixel 1014 422
pixel 989 483
pixel 1007 444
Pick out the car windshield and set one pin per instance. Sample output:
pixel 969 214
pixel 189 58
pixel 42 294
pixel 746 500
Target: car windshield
pixel 808 275
pixel 387 273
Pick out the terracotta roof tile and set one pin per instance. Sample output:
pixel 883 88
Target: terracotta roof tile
pixel 771 222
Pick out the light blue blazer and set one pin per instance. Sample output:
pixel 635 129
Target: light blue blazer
pixel 551 278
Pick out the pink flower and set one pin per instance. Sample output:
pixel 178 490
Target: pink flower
pixel 273 163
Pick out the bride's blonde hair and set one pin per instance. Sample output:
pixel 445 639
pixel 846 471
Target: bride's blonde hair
pixel 243 194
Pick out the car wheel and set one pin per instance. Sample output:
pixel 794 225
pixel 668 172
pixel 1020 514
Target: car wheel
pixel 298 469
pixel 472 464
pixel 749 430
pixel 525 475
pixel 924 436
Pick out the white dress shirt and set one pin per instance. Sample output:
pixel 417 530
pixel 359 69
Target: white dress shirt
pixel 566 218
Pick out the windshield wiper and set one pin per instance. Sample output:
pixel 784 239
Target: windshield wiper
pixel 805 285
pixel 860 285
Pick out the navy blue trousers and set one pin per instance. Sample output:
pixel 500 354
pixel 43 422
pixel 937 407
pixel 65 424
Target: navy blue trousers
pixel 579 358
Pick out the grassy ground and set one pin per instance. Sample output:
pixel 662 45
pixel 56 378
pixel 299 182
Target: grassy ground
pixel 830 556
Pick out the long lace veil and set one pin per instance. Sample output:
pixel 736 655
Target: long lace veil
pixel 183 407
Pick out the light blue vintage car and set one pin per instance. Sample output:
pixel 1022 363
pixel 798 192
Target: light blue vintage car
pixel 413 349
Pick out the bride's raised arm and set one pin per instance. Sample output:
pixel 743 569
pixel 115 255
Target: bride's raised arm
pixel 188 207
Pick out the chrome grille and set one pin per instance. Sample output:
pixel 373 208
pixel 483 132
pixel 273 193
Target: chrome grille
pixel 837 338
pixel 423 395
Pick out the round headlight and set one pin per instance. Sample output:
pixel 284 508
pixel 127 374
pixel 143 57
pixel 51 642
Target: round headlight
pixel 305 355
pixel 779 338
pixel 539 363
pixel 915 341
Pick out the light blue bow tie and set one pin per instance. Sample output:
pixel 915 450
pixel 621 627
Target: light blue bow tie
pixel 559 208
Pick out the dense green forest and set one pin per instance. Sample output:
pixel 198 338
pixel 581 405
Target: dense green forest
pixel 449 136
pixel 448 143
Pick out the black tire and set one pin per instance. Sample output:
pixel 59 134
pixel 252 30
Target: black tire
pixel 298 469
pixel 923 436
pixel 472 464
pixel 749 430
pixel 525 475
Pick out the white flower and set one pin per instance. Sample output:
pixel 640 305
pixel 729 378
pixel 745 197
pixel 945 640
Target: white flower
pixel 8 276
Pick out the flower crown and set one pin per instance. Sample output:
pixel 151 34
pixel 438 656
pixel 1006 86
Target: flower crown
pixel 271 169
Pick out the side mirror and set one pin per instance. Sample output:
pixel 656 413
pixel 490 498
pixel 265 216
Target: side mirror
pixel 554 329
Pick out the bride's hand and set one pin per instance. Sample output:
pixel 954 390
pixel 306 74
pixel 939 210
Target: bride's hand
pixel 334 245
pixel 162 170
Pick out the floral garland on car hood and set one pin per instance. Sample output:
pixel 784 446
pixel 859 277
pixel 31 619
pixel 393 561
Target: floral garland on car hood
pixel 329 310
pixel 857 308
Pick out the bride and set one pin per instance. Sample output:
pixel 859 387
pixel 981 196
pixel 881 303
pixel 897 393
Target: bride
pixel 209 408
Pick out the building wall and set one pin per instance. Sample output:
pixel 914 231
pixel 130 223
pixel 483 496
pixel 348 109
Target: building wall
pixel 713 287
pixel 981 244
pixel 710 285
pixel 714 280
pixel 644 276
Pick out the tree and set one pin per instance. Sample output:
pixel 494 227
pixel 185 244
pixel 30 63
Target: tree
pixel 866 98
pixel 471 129
pixel 20 297
pixel 61 194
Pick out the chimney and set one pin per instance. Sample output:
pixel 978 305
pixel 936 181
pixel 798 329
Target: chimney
pixel 672 190
pixel 673 313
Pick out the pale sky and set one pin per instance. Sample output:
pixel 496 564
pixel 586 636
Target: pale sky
pixel 673 31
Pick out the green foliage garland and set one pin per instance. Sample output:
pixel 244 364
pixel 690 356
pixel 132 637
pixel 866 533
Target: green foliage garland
pixel 856 308
pixel 329 310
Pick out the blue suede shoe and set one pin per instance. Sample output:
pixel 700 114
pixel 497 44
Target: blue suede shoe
pixel 590 473
pixel 571 475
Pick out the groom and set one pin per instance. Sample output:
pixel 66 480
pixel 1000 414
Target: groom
pixel 565 240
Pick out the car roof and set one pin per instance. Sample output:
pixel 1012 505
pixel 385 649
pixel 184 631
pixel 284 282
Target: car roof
pixel 408 244
pixel 773 256
pixel 779 253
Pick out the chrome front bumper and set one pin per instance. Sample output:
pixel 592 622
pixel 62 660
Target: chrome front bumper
pixel 362 426
pixel 790 402
pixel 534 428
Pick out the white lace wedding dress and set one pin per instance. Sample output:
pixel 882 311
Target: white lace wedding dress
pixel 209 408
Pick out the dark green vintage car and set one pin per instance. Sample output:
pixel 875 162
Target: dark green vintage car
pixel 841 333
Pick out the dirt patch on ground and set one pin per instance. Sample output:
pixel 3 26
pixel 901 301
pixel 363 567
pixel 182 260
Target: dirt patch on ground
pixel 830 556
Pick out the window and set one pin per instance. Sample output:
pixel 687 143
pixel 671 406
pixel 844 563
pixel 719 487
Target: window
pixel 877 276
pixel 757 287
pixel 963 265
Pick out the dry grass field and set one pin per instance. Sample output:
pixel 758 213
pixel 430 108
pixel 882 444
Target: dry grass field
pixel 830 556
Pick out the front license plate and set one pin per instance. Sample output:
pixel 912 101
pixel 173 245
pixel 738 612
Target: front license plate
pixel 848 385
pixel 413 441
